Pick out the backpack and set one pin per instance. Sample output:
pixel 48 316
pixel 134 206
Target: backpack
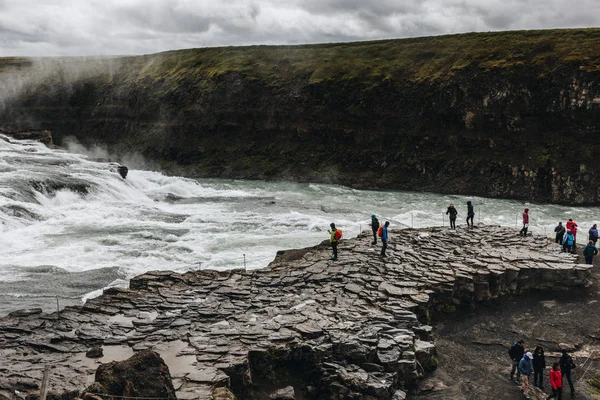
pixel 380 231
pixel 338 234
pixel 512 352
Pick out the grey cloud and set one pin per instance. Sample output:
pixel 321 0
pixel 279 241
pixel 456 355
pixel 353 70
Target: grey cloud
pixel 65 27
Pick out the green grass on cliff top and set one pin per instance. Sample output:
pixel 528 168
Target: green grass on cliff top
pixel 418 59
pixel 541 52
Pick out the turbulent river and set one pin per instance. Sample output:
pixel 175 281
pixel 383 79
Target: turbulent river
pixel 71 226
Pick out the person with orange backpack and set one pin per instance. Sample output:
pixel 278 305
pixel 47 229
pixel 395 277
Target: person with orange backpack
pixel 384 237
pixel 335 236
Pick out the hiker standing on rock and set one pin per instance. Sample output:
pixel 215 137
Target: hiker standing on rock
pixel 516 353
pixel 589 252
pixel 526 368
pixel 470 214
pixel 374 227
pixel 594 233
pixel 453 213
pixel 539 364
pixel 555 382
pixel 560 232
pixel 523 231
pixel 335 236
pixel 569 242
pixel 566 365
pixel 572 225
pixel 384 238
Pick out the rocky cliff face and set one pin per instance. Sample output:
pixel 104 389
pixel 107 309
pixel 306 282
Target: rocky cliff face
pixel 511 114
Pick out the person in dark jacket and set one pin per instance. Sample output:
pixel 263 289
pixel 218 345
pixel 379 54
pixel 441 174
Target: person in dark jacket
pixel 384 238
pixel 560 232
pixel 526 369
pixel 523 231
pixel 539 364
pixel 374 227
pixel 516 353
pixel 453 213
pixel 555 382
pixel 594 233
pixel 470 214
pixel 566 365
pixel 589 252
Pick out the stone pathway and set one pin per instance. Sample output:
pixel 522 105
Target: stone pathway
pixel 356 328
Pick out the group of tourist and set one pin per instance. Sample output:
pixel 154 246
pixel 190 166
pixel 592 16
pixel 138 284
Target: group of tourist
pixel 526 364
pixel 566 235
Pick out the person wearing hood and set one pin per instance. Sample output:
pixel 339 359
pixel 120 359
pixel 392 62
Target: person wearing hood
pixel 594 233
pixel 589 252
pixel 539 364
pixel 526 368
pixel 453 213
pixel 470 214
pixel 374 227
pixel 572 225
pixel 555 382
pixel 560 232
pixel 568 242
pixel 566 365
pixel 523 231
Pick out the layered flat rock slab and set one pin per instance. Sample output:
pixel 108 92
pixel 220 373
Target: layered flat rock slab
pixel 353 328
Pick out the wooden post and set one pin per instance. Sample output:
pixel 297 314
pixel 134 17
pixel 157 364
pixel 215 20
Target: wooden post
pixel 44 388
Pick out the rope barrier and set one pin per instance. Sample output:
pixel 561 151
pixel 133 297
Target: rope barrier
pixel 133 397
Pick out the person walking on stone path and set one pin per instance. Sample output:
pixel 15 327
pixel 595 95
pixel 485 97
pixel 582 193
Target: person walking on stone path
pixel 555 382
pixel 569 242
pixel 335 236
pixel 515 353
pixel 453 213
pixel 374 227
pixel 384 238
pixel 566 365
pixel 560 232
pixel 594 234
pixel 470 214
pixel 589 252
pixel 539 364
pixel 526 369
pixel 523 231
pixel 572 225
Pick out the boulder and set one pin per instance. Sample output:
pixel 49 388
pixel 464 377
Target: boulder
pixel 95 352
pixel 145 374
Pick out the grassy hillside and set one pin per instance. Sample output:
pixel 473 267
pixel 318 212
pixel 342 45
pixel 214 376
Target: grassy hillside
pixel 508 114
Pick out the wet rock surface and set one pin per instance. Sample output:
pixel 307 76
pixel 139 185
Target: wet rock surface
pixel 357 328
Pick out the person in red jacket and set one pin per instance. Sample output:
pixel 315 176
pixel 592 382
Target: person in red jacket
pixel 555 382
pixel 572 225
pixel 525 222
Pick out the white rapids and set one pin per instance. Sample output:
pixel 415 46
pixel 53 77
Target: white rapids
pixel 71 226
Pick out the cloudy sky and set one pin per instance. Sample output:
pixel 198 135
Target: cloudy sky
pixel 96 27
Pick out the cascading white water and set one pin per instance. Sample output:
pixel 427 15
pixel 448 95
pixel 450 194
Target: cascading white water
pixel 71 226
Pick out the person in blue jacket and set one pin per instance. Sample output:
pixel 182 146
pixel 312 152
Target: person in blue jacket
pixel 569 242
pixel 594 234
pixel 526 369
pixel 384 238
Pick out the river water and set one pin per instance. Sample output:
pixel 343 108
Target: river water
pixel 71 226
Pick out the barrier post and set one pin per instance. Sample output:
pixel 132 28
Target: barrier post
pixel 244 261
pixel 443 220
pixel 44 387
pixel 57 309
pixel 412 221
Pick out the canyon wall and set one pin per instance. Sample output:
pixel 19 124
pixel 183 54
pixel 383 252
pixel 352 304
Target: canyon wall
pixel 508 114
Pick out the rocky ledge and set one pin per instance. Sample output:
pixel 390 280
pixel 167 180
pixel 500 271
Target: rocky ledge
pixel 304 327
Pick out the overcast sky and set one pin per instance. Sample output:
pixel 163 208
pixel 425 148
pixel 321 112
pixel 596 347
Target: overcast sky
pixel 98 27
